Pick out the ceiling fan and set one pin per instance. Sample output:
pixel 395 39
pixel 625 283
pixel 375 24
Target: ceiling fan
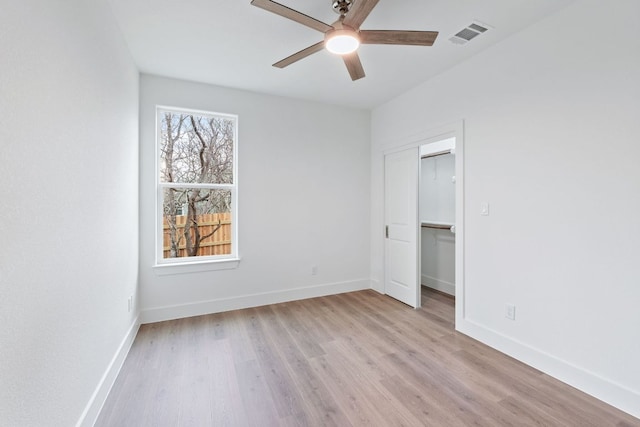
pixel 344 36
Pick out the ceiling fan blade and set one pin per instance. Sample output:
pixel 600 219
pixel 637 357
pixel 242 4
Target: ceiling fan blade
pixel 294 15
pixel 300 55
pixel 359 12
pixel 352 61
pixel 414 38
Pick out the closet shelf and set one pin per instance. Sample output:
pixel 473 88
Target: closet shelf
pixel 437 224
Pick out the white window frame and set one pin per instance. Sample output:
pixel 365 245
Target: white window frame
pixel 196 263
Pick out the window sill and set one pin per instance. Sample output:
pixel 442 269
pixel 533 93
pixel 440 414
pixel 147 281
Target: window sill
pixel 196 266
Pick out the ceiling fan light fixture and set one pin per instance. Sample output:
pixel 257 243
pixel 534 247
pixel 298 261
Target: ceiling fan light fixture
pixel 341 42
pixel 344 36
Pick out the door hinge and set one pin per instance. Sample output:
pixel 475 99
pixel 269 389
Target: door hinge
pixel 386 231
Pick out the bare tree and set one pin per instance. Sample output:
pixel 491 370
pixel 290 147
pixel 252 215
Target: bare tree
pixel 194 150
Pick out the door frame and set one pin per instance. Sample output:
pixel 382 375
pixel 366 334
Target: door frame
pixel 452 130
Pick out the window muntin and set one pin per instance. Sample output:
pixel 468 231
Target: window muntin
pixel 197 186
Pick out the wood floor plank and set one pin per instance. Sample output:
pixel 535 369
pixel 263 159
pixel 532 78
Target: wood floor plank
pixel 418 404
pixel 312 314
pixel 358 389
pixel 285 394
pixel 355 359
pixel 259 407
pixel 215 388
pixel 300 330
pixel 324 410
pixel 446 392
pixel 238 335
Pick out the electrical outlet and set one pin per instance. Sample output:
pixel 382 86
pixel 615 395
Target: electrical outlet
pixel 510 312
pixel 484 208
pixel 314 270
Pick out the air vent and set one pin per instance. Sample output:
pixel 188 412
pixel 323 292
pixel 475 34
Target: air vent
pixel 472 31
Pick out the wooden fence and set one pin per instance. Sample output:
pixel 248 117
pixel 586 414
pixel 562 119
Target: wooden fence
pixel 217 244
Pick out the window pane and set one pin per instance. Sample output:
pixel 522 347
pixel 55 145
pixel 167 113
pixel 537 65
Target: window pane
pixel 196 222
pixel 196 148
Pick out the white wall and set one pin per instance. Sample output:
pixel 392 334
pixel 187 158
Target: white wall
pixel 69 171
pixel 437 189
pixel 438 262
pixel 303 201
pixel 551 142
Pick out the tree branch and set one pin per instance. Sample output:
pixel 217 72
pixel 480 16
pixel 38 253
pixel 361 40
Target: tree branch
pixel 213 232
pixel 203 146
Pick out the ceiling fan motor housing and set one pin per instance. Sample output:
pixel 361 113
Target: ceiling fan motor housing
pixel 341 7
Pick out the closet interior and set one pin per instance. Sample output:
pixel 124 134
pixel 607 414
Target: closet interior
pixel 437 217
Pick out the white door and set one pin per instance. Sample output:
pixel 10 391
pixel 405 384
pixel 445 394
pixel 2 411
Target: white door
pixel 401 277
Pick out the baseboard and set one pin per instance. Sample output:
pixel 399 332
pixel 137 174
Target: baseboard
pixel 439 285
pixel 160 314
pixel 93 408
pixel 614 394
pixel 377 286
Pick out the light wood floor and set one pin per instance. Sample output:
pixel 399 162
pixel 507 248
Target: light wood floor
pixel 358 359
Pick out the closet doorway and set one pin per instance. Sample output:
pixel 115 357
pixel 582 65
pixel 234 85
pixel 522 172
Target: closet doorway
pixel 425 201
pixel 437 213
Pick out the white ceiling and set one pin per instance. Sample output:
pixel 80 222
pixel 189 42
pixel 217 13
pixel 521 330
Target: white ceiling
pixel 232 43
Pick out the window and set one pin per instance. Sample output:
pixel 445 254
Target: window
pixel 197 186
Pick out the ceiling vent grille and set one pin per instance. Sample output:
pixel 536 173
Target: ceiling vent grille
pixel 472 31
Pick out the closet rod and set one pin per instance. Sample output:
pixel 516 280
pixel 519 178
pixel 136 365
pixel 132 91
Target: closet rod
pixel 436 226
pixel 441 153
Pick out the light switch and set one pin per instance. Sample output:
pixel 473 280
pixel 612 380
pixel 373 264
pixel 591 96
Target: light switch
pixel 484 208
